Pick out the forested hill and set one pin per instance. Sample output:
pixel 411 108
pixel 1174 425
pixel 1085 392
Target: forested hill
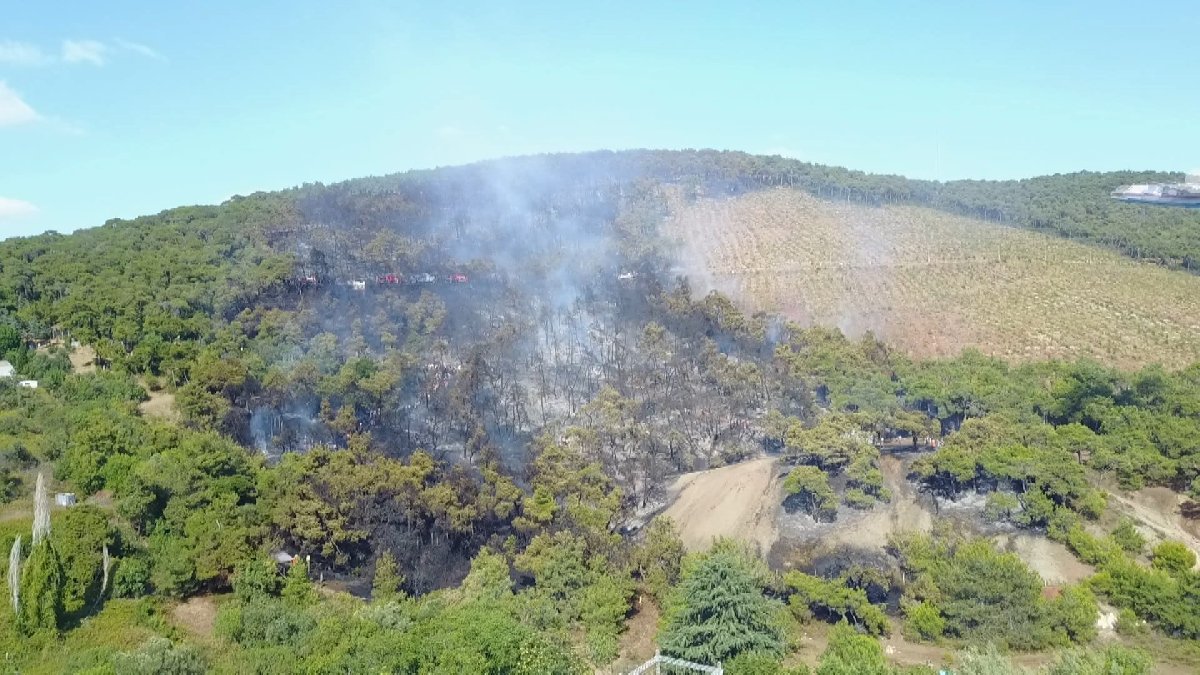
pixel 1074 205
pixel 464 388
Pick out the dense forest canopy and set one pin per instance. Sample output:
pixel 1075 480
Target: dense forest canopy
pixel 461 394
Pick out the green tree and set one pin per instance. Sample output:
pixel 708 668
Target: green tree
pixel 1173 557
pixel 810 485
pixel 256 578
pixel 1127 537
pixel 1075 611
pixel 719 611
pixel 42 582
pixel 80 535
pixel 385 585
pixel 924 620
pixel 297 587
pixel 659 557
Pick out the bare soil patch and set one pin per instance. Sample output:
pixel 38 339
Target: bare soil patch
pixel 907 511
pixel 196 615
pixel 161 404
pixel 638 641
pixel 934 283
pixel 83 360
pixel 1160 510
pixel 1053 562
pixel 739 501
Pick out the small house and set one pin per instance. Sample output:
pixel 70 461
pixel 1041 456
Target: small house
pixel 6 369
pixel 29 384
pixel 65 499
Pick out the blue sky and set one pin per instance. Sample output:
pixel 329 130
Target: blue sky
pixel 117 109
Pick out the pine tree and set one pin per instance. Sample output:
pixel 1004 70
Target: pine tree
pixel 719 612
pixel 297 588
pixel 386 584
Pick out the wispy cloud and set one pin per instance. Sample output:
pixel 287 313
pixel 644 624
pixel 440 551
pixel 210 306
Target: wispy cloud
pixel 74 52
pixel 449 132
pixel 139 48
pixel 85 51
pixel 21 54
pixel 12 209
pixel 13 109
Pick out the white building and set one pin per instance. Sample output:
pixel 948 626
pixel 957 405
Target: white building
pixel 65 499
pixel 28 384
pixel 6 369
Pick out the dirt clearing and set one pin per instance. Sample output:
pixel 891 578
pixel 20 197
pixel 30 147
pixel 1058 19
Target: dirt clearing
pixel 197 616
pixel 1053 562
pixel 738 501
pixel 161 404
pixel 1159 510
pixel 83 360
pixel 907 511
pixel 638 641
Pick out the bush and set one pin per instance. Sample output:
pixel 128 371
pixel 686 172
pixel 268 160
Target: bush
pixel 1115 660
pixel 855 498
pixel 924 621
pixel 1127 537
pixel 757 663
pixel 1173 557
pixel 131 578
pixel 1129 624
pixel 254 579
pixel 264 623
pixel 159 655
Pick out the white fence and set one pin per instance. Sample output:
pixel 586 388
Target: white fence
pixel 659 660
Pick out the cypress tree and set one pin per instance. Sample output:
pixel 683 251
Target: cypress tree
pixel 41 578
pixel 41 590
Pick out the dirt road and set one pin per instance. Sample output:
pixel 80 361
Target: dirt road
pixel 738 501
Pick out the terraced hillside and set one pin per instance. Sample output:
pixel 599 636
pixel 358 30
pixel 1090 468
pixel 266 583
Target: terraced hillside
pixel 933 283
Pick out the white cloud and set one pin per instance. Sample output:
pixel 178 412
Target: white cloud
pixel 84 51
pixel 21 54
pixel 449 132
pixel 138 48
pixel 13 110
pixel 11 209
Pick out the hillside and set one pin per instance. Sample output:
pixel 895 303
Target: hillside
pixel 933 283
pixel 459 395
